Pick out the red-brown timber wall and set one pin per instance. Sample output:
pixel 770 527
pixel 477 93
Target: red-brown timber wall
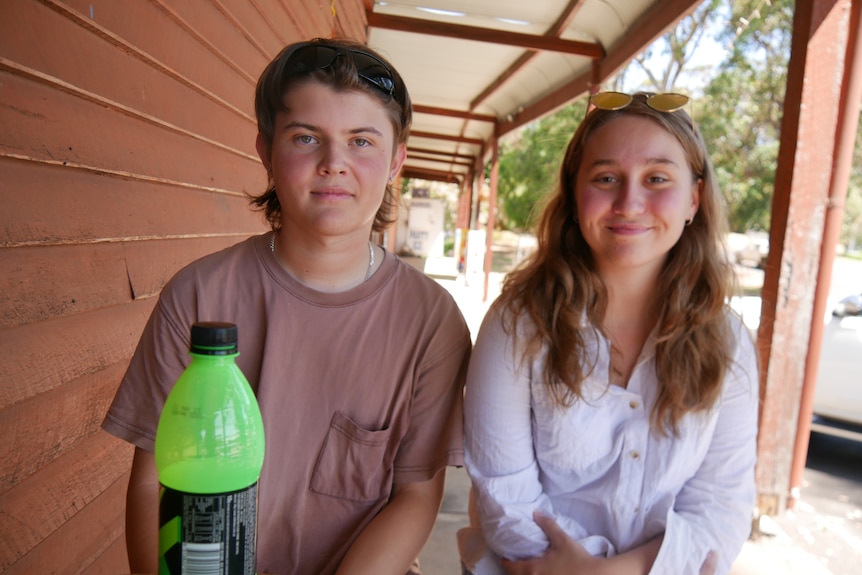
pixel 126 147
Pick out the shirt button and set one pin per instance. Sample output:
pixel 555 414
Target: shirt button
pixel 634 404
pixel 635 454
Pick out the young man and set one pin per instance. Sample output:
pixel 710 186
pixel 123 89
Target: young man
pixel 357 359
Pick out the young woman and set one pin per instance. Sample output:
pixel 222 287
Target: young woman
pixel 611 399
pixel 356 358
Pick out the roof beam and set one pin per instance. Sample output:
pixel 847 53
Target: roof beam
pixel 643 33
pixel 557 28
pixel 447 137
pixel 440 153
pixel 427 174
pixel 475 33
pixel 430 158
pixel 421 109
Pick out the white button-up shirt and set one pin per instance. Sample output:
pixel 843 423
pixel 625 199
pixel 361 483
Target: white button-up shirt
pixel 598 468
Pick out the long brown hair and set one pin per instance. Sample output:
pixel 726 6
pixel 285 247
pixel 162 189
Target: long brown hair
pixel 558 287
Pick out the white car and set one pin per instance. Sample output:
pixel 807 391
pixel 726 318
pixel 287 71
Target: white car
pixel 749 249
pixel 838 390
pixel 838 394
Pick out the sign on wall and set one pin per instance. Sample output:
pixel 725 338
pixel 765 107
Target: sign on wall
pixel 425 227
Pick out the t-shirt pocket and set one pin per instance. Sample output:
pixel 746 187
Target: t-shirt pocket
pixel 353 462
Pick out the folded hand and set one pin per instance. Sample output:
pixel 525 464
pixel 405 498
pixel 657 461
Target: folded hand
pixel 564 555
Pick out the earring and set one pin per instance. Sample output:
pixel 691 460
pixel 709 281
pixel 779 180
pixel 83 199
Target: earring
pixel 391 179
pixel 688 222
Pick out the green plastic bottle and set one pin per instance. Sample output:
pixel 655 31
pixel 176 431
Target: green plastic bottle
pixel 209 453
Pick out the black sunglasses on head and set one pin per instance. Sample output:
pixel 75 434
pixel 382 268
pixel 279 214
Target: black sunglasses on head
pixel 308 57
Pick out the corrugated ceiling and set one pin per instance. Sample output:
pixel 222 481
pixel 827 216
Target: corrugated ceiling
pixel 484 67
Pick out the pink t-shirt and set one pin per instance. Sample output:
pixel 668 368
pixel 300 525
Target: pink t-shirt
pixel 358 390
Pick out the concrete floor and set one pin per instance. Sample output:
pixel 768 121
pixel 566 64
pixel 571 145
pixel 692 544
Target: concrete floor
pixel 440 556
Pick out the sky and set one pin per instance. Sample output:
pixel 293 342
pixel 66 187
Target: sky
pixel 699 70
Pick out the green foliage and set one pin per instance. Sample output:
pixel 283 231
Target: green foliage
pixel 851 230
pixel 529 166
pixel 741 116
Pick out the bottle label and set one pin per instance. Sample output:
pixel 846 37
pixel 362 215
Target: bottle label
pixel 207 534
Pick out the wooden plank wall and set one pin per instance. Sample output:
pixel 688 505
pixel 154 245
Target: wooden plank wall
pixel 127 147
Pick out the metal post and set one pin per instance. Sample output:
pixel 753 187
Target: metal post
pixel 848 120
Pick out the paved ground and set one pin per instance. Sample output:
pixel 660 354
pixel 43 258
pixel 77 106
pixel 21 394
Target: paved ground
pixel 781 549
pixel 827 520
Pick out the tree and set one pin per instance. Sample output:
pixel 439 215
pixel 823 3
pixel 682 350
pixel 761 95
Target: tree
pixel 666 61
pixel 529 165
pixel 741 116
pixel 851 229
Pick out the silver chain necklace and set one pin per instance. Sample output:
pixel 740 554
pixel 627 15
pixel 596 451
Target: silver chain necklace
pixel 370 256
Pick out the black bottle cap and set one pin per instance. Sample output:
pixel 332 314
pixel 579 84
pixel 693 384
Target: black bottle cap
pixel 214 338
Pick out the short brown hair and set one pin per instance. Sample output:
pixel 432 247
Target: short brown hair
pixel 341 74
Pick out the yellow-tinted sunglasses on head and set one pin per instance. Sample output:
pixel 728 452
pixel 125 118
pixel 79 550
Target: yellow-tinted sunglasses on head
pixel 668 102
